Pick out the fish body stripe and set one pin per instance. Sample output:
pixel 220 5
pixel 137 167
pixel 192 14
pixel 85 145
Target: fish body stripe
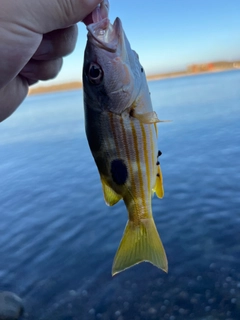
pixel 128 158
pixel 154 148
pixel 139 162
pixel 146 156
pixel 122 147
pixel 134 144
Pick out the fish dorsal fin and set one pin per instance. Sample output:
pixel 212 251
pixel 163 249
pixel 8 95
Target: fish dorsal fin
pixel 159 184
pixel 110 196
pixel 148 117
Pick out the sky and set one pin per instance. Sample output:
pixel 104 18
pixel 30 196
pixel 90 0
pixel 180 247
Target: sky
pixel 168 35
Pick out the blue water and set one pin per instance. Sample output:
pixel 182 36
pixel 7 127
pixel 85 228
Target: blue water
pixel 58 238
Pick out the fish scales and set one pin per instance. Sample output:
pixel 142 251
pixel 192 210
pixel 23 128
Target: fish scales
pixel 122 135
pixel 128 136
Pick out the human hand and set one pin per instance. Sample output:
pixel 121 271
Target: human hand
pixel 34 36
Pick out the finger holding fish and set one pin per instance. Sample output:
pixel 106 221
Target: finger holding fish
pixel 98 14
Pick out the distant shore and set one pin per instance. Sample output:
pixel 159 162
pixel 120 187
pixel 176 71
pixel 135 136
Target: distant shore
pixel 78 85
pixel 55 88
pixel 191 70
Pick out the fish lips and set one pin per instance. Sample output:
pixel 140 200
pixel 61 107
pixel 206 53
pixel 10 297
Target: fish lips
pixel 105 35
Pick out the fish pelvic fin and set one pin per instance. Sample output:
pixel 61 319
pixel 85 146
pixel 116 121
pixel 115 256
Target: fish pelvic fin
pixel 110 196
pixel 140 242
pixel 158 188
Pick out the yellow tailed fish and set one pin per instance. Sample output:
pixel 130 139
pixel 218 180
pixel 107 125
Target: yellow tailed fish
pixel 121 129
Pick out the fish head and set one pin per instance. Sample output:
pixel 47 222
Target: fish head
pixel 112 73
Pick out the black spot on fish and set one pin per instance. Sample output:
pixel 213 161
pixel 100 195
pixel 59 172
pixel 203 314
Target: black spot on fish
pixel 119 171
pixel 141 69
pixel 159 153
pixel 157 163
pixel 131 113
pixel 158 175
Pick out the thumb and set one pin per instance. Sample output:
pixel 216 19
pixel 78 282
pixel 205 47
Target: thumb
pixel 43 16
pixel 22 24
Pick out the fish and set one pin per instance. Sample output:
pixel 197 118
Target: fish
pixel 121 129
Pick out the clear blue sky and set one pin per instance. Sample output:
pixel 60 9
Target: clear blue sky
pixel 170 34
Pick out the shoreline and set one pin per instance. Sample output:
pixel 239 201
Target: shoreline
pixel 75 85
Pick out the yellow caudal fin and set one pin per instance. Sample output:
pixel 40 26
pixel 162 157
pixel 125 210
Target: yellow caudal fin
pixel 110 196
pixel 140 242
pixel 159 184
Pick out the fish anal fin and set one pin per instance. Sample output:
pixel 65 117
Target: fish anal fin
pixel 140 242
pixel 158 188
pixel 110 196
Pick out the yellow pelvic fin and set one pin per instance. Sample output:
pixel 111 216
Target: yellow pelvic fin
pixel 158 188
pixel 110 196
pixel 140 242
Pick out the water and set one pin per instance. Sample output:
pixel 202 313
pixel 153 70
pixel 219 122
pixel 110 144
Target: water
pixel 58 238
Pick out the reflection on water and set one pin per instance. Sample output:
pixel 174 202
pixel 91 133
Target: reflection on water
pixel 58 238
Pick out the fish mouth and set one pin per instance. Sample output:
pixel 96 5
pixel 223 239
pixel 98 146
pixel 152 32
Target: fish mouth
pixel 105 35
pixel 100 31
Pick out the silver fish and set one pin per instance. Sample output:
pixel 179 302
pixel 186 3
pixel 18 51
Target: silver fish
pixel 121 129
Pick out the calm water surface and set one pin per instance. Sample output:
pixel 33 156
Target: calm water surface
pixel 58 238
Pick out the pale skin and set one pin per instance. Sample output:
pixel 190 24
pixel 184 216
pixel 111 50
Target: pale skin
pixel 34 36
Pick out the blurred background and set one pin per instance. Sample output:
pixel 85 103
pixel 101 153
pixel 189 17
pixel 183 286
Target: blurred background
pixel 58 238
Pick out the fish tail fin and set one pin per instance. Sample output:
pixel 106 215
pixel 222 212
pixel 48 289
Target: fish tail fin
pixel 140 242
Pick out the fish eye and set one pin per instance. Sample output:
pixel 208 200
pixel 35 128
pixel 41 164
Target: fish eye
pixel 95 73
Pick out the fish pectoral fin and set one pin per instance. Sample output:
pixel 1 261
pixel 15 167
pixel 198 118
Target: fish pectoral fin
pixel 140 242
pixel 148 117
pixel 158 188
pixel 110 196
